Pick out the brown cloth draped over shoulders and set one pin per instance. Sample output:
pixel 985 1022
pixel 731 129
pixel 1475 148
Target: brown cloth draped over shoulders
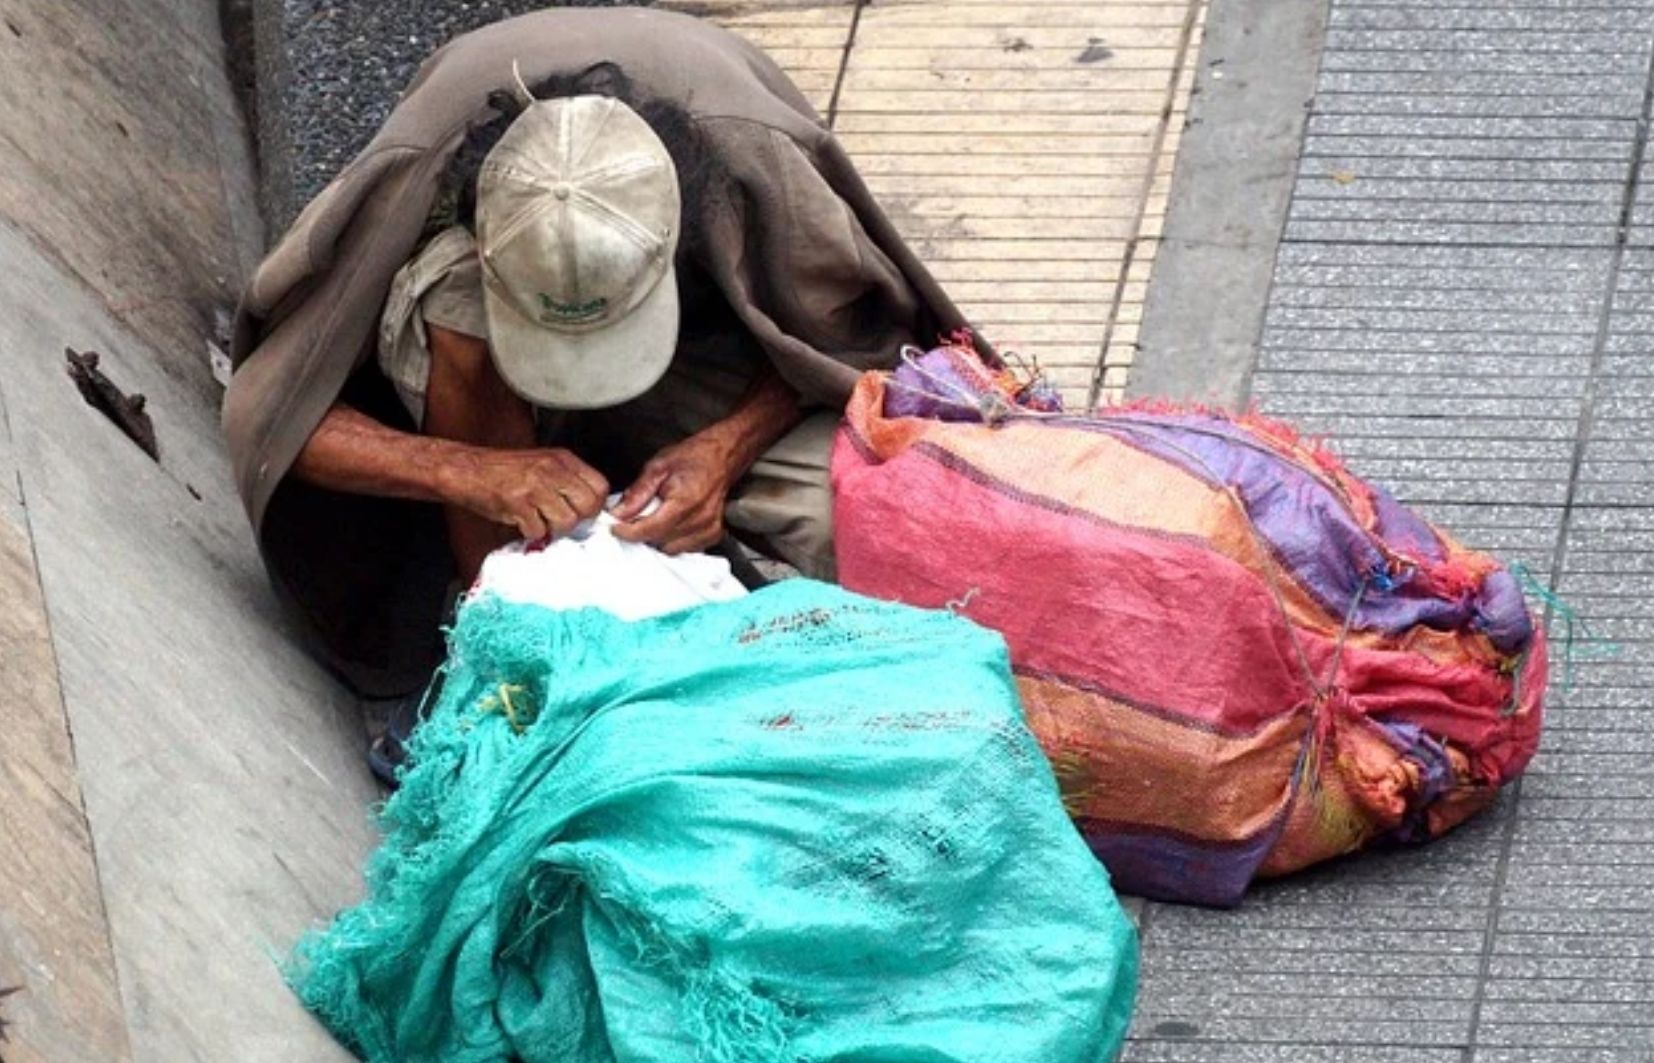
pixel 807 262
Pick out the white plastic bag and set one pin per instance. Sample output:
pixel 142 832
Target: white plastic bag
pixel 590 568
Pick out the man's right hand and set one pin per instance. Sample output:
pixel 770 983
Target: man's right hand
pixel 540 492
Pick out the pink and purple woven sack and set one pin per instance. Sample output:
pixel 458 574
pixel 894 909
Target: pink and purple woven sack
pixel 1240 659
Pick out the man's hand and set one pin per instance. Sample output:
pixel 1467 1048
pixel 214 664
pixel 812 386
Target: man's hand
pixel 540 492
pixel 692 479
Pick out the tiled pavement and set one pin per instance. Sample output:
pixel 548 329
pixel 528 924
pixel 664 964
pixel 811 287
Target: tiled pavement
pixel 1464 301
pixel 1025 149
pixel 1455 300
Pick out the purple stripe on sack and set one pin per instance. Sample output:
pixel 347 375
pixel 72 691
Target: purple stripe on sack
pixel 1403 529
pixel 1435 770
pixel 1502 613
pixel 1310 530
pixel 932 387
pixel 1164 867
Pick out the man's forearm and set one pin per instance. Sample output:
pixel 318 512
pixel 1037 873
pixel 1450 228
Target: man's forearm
pixel 351 452
pixel 769 410
pixel 538 491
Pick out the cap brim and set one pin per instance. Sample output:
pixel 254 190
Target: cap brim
pixel 586 371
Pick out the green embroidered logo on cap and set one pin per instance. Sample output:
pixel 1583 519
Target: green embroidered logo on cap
pixel 568 313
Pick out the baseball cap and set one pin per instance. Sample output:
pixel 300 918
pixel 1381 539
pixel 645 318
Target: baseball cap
pixel 578 216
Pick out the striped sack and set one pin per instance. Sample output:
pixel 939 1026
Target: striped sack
pixel 1240 659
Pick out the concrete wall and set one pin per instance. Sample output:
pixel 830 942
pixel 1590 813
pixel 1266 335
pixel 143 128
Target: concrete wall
pixel 181 790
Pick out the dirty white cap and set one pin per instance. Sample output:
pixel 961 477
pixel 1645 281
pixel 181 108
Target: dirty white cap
pixel 577 223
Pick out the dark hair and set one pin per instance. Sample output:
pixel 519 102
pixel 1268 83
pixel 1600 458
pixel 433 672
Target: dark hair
pixel 670 121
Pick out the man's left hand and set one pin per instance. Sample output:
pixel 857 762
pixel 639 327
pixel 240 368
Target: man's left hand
pixel 692 479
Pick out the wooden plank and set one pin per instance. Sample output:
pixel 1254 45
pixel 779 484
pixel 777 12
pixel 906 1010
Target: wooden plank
pixel 976 183
pixel 979 44
pixel 1071 232
pixel 1037 335
pixel 1029 179
pixel 54 938
pixel 1026 151
pixel 1011 206
pixel 948 270
pixel 1070 379
pixel 1034 166
pixel 1012 291
pixel 1091 314
pixel 972 124
pixel 1009 102
pixel 1018 143
pixel 1139 26
pixel 1013 50
pixel 955 80
pixel 946 250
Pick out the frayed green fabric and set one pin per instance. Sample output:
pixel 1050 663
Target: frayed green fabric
pixel 803 826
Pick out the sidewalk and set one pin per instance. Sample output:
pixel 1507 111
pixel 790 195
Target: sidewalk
pixel 1025 150
pixel 1418 227
pixel 1445 262
pixel 1460 300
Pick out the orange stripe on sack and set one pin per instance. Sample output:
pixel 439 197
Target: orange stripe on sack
pixel 1122 764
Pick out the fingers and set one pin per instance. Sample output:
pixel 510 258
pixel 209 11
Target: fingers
pixel 539 511
pixel 559 514
pixel 561 477
pixel 677 527
pixel 644 488
pixel 656 526
pixel 593 481
pixel 581 500
pixel 529 523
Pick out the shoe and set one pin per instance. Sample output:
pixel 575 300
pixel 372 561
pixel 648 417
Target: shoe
pixel 389 751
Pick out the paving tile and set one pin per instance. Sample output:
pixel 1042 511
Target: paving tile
pixel 1165 1051
pixel 1505 17
pixel 1610 137
pixel 1471 293
pixel 1401 158
pixel 1623 80
pixel 1438 309
pixel 1491 325
pixel 1410 232
pixel 1046 236
pixel 1220 1029
pixel 1550 1055
pixel 1354 337
pixel 1581 105
pixel 1552 42
pixel 1634 1041
pixel 1511 451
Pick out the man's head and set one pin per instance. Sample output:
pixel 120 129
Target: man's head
pixel 578 217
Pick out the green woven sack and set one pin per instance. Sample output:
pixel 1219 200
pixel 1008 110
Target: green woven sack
pixel 802 826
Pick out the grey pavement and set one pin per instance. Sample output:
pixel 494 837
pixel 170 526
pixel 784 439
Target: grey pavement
pixel 1463 300
pixel 1443 256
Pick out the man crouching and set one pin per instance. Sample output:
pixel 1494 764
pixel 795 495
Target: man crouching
pixel 588 250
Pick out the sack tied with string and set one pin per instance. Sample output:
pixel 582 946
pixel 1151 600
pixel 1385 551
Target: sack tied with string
pixel 797 825
pixel 1240 658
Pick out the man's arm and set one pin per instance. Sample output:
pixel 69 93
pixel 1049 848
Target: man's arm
pixel 693 478
pixel 494 483
pixel 535 491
